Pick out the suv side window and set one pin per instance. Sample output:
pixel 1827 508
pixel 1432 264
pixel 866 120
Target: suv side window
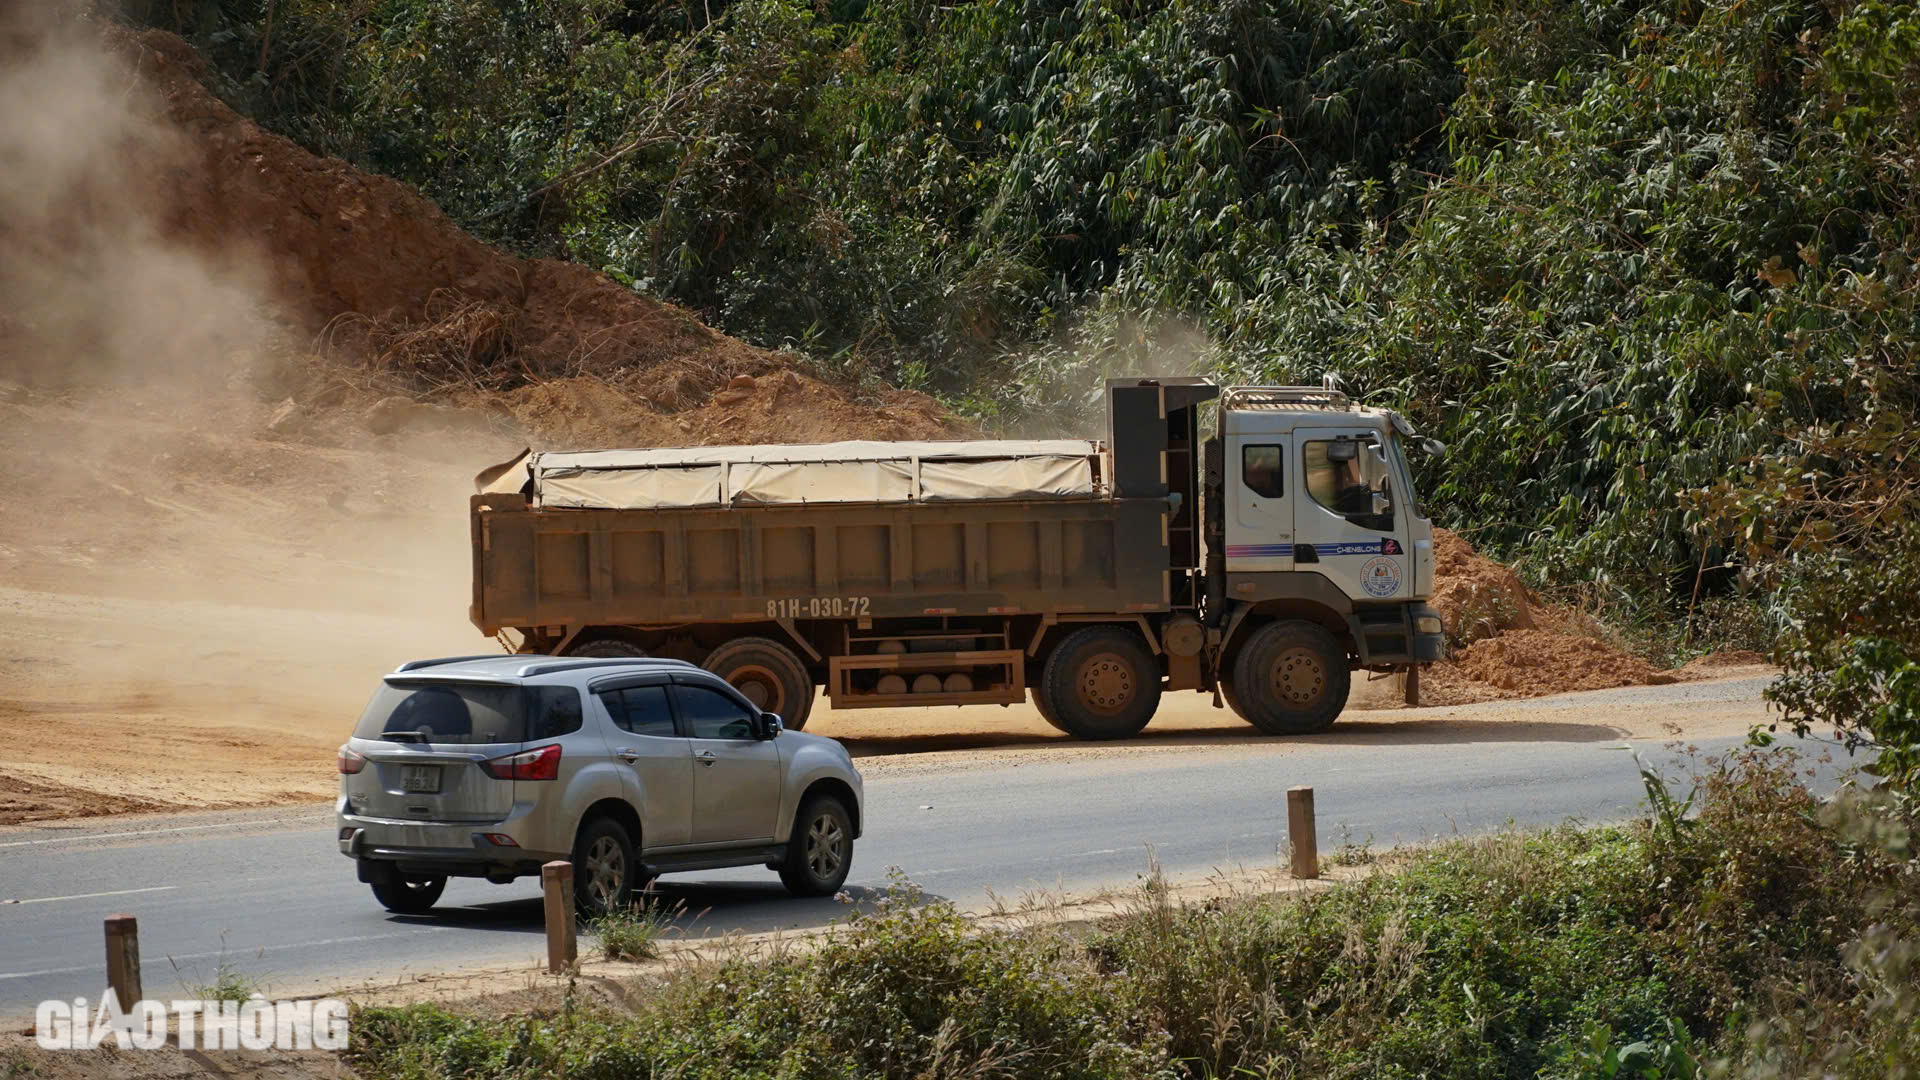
pixel 710 714
pixel 641 710
pixel 552 711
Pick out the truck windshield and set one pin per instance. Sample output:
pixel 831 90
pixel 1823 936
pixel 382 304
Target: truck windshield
pixel 468 713
pixel 1351 477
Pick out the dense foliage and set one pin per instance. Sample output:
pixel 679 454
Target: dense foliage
pixel 1732 940
pixel 1649 267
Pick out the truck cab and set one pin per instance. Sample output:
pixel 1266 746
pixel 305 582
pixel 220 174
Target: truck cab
pixel 1322 490
pixel 1318 524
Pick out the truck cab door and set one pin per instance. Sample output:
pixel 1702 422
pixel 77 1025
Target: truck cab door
pixel 1350 524
pixel 1259 518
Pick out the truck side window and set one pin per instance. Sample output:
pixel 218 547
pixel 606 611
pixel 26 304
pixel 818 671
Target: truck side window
pixel 640 709
pixel 1350 478
pixel 1260 468
pixel 709 714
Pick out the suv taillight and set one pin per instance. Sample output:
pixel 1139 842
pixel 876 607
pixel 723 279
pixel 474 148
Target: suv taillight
pixel 350 761
pixel 541 764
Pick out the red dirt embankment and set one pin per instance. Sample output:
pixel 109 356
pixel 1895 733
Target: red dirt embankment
pixel 376 274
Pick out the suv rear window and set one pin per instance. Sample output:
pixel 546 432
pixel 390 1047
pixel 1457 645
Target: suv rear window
pixel 469 712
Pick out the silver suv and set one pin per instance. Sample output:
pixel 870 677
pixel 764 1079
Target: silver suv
pixel 490 766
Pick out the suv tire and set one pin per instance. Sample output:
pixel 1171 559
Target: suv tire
pixel 409 896
pixel 605 868
pixel 820 849
pixel 1290 678
pixel 1101 683
pixel 768 674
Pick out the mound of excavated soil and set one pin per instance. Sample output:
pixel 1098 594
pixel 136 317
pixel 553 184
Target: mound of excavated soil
pixel 1477 597
pixel 577 358
pixel 1531 662
pixel 1517 647
pixel 336 241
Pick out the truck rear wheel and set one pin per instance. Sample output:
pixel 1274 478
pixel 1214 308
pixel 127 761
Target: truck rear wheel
pixel 606 648
pixel 1290 678
pixel 1101 683
pixel 768 674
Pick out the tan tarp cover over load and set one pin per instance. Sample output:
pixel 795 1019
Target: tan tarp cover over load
pixel 842 472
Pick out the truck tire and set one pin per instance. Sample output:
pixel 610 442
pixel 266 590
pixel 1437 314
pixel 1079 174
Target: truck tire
pixel 1290 678
pixel 1101 683
pixel 820 848
pixel 768 674
pixel 1046 711
pixel 606 648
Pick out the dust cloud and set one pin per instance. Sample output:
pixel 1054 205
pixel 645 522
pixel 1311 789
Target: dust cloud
pixel 1103 347
pixel 90 287
pixel 195 602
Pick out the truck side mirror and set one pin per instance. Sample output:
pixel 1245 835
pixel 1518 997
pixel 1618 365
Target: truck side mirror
pixel 770 725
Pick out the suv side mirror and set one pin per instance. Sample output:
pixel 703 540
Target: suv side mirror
pixel 770 725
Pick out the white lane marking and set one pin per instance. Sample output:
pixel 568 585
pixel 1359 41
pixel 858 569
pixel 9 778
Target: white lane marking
pixel 261 951
pixel 89 895
pixel 144 832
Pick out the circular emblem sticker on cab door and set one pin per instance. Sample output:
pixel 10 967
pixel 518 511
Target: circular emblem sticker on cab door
pixel 1380 577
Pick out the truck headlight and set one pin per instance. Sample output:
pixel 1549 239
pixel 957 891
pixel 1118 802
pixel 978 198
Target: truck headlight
pixel 1428 624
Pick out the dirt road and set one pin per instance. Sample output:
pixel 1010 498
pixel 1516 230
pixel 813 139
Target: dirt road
pixel 195 610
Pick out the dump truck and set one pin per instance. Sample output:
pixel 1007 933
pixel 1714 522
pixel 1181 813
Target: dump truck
pixel 1263 564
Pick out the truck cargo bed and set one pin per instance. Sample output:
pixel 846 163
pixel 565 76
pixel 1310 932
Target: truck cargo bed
pixel 543 567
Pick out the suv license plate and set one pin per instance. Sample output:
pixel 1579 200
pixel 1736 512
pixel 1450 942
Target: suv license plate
pixel 423 778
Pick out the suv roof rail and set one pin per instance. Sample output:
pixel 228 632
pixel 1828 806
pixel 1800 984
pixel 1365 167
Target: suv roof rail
pixel 1274 397
pixel 577 662
pixel 416 665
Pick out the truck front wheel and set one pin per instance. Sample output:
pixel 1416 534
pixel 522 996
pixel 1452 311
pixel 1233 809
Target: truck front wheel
pixel 1290 678
pixel 1101 683
pixel 768 674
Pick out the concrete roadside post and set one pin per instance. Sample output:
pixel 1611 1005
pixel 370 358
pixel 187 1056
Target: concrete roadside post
pixel 123 959
pixel 1302 834
pixel 556 881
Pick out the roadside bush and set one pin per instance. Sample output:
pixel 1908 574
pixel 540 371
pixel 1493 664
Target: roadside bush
pixel 629 935
pixel 1643 950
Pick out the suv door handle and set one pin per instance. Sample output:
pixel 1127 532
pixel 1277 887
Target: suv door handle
pixel 628 754
pixel 704 757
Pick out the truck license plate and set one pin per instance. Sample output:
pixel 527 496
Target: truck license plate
pixel 424 778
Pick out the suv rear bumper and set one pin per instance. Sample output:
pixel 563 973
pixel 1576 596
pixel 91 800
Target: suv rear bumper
pixel 453 849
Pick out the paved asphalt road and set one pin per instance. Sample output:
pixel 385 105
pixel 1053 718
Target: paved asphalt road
pixel 268 893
